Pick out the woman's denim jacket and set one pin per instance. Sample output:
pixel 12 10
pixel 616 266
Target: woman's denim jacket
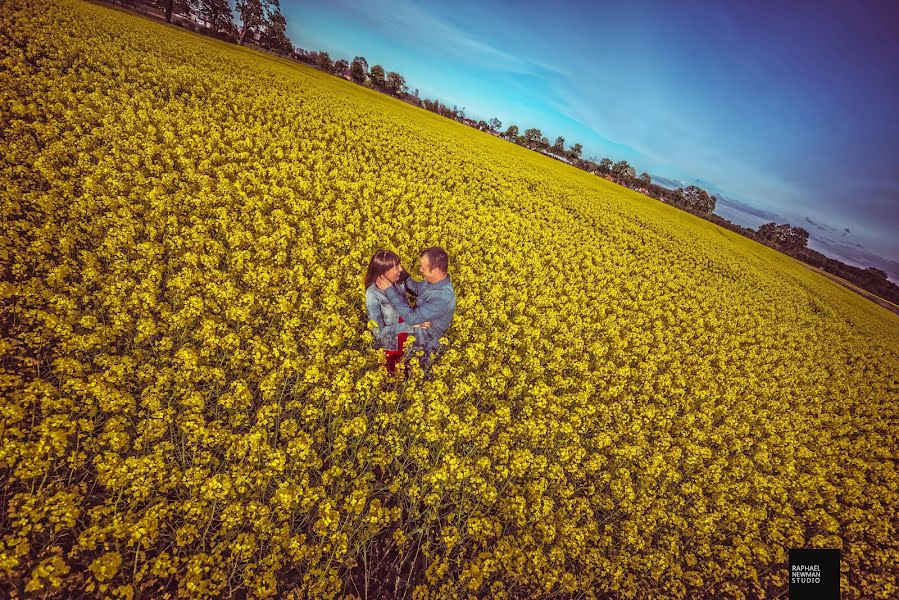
pixel 386 318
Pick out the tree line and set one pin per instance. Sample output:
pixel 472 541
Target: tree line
pixel 261 20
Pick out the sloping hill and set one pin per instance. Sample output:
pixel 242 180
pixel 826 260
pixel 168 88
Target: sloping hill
pixel 634 401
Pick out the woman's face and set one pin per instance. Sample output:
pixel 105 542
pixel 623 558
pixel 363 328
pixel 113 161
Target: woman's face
pixel 393 274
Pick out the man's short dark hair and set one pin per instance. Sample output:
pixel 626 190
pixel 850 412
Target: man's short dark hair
pixel 437 258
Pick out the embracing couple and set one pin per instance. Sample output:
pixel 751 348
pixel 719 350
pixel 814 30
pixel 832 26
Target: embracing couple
pixel 386 286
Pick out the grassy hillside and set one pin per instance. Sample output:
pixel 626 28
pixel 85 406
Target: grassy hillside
pixel 635 402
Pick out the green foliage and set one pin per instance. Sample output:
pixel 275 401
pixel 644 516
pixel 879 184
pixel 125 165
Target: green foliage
pixel 785 236
pixel 359 69
pixel 377 77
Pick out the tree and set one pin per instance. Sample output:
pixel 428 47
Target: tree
pixel 170 7
pixel 359 69
pixel 532 136
pixel 512 132
pixel 559 146
pixel 605 165
pixel 876 273
pixel 645 179
pixel 377 76
pixel 324 62
pixel 341 65
pixel 253 15
pixel 217 13
pixel 274 33
pixel 620 169
pixel 783 236
pixel 495 124
pixel 575 151
pixel 696 200
pixel 396 83
pixel 797 238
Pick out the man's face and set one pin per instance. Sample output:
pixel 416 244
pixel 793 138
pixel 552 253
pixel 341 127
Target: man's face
pixel 431 275
pixel 424 267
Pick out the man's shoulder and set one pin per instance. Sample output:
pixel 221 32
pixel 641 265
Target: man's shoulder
pixel 445 292
pixel 449 286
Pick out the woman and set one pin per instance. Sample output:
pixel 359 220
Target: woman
pixel 390 331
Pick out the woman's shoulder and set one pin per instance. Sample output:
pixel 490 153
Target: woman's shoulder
pixel 372 292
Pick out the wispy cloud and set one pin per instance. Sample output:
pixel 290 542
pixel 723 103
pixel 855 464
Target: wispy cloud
pixel 748 209
pixel 668 183
pixel 415 25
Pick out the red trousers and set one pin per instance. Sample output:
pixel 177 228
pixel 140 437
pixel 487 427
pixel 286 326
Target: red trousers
pixel 395 356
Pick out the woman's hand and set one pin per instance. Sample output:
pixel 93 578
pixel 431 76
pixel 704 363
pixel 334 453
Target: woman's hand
pixel 382 282
pixel 424 325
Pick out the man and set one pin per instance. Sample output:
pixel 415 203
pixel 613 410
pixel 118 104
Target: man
pixel 435 300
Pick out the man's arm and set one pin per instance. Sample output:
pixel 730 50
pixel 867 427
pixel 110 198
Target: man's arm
pixel 428 311
pixel 381 329
pixel 413 287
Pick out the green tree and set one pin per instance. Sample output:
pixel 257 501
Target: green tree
pixel 785 237
pixel 341 65
pixel 575 151
pixel 396 83
pixel 605 165
pixel 645 179
pixel 359 69
pixel 324 62
pixel 512 132
pixel 253 15
pixel 532 136
pixel 559 146
pixel 274 33
pixel 696 200
pixel 378 77
pixel 217 13
pixel 876 273
pixel 170 7
pixel 620 169
pixel 495 124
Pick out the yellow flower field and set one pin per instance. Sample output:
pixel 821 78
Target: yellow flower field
pixel 635 403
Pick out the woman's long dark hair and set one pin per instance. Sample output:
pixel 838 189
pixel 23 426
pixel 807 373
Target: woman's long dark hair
pixel 381 262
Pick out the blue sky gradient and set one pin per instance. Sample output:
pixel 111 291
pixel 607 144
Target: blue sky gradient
pixel 783 110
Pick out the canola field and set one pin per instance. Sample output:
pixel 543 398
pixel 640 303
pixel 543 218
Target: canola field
pixel 635 403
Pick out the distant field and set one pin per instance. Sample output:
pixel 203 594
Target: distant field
pixel 636 403
pixel 863 292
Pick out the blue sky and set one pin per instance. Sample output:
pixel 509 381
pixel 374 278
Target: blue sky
pixel 786 111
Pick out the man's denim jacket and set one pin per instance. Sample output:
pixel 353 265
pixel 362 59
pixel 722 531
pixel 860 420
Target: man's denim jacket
pixel 436 302
pixel 381 312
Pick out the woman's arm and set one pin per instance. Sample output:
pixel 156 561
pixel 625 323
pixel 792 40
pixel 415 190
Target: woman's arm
pixel 383 330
